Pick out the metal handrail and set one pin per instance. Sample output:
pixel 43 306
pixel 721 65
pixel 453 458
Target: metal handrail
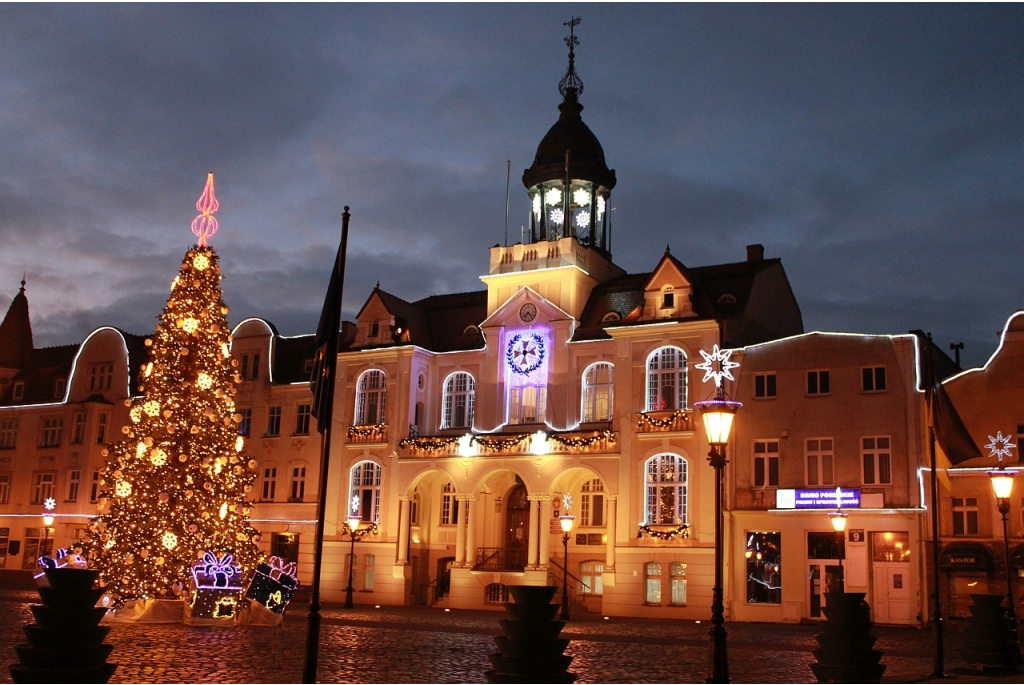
pixel 569 573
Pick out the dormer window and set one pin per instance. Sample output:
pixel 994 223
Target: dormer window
pixel 375 328
pixel 668 298
pixel 58 388
pixel 18 391
pixel 611 316
pixel 470 330
pixel 727 298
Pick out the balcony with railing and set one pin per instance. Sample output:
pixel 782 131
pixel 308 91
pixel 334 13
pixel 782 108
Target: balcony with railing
pixel 679 420
pixel 500 559
pixel 373 433
pixel 510 444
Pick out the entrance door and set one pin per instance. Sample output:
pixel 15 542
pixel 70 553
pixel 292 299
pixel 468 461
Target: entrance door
pixel 892 593
pixel 823 575
pixel 517 518
pixel 444 576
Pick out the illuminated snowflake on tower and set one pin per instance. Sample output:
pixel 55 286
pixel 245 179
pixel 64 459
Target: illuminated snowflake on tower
pixel 999 446
pixel 722 370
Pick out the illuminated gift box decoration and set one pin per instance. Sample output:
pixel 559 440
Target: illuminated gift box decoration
pixel 63 558
pixel 273 584
pixel 215 587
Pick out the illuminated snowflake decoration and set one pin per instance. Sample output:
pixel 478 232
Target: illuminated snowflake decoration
pixel 557 216
pixel 600 207
pixel 536 205
pixel 239 443
pixel 49 504
pixel 999 446
pixel 566 501
pixel 716 365
pixel 223 513
pixel 152 407
pixel 158 457
pixel 140 449
pixel 201 262
pixel 190 325
pixel 169 540
pixel 136 414
pixel 581 197
pixel 355 504
pixel 583 219
pixel 553 196
pixel 123 489
pixel 204 381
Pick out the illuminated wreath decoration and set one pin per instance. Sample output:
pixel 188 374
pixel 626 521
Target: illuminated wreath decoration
pixel 517 346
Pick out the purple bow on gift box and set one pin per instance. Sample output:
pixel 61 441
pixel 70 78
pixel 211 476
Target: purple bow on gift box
pixel 220 570
pixel 64 558
pixel 278 568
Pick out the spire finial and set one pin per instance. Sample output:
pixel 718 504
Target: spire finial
pixel 205 225
pixel 571 86
pixel 23 275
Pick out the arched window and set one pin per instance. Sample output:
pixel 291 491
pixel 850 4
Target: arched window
pixel 677 573
pixel 597 393
pixel 449 506
pixel 666 379
pixel 665 496
pixel 370 397
pixel 668 297
pixel 652 574
pixel 458 401
pixel 592 503
pixel 364 491
pixel 495 593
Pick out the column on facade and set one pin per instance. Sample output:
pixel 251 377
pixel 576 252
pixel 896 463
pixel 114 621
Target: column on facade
pixel 531 550
pixel 544 531
pixel 403 530
pixel 460 533
pixel 470 531
pixel 610 521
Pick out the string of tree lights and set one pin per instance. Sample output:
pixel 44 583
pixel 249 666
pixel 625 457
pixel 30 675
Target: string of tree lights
pixel 644 529
pixel 174 488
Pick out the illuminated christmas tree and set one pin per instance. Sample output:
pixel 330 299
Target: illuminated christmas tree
pixel 175 486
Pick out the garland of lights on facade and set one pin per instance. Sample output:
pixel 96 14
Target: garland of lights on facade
pixel 644 419
pixel 375 430
pixel 507 444
pixel 644 529
pixel 175 487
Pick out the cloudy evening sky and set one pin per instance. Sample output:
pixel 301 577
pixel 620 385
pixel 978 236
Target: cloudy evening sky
pixel 878 150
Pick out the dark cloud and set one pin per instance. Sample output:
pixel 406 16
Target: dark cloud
pixel 876 149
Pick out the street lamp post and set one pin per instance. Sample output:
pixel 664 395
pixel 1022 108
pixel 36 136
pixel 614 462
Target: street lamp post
pixel 48 521
pixel 838 518
pixel 718 414
pixel 566 522
pixel 353 533
pixel 1002 484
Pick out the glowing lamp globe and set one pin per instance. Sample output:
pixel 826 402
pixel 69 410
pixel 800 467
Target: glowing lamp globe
pixel 1002 483
pixel 566 521
pixel 353 521
pixel 718 415
pixel 838 520
pixel 48 520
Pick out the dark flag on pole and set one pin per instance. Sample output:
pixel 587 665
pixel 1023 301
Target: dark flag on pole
pixel 326 339
pixel 950 431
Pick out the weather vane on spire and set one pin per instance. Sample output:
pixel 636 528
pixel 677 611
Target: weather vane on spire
pixel 571 84
pixel 205 225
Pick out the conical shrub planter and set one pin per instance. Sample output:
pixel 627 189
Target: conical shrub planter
pixel 66 641
pixel 530 651
pixel 989 641
pixel 846 654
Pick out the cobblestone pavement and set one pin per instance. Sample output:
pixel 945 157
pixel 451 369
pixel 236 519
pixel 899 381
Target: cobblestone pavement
pixel 411 645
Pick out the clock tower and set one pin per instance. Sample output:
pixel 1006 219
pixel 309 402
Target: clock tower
pixel 568 248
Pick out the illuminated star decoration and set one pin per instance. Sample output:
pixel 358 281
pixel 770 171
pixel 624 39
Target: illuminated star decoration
pixel 567 501
pixel 205 225
pixel 721 357
pixel 49 504
pixel 1000 446
pixel 355 504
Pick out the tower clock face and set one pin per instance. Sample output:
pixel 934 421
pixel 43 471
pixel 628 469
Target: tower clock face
pixel 528 312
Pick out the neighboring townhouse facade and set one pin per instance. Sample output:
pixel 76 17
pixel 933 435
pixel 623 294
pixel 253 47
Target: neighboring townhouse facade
pixel 972 553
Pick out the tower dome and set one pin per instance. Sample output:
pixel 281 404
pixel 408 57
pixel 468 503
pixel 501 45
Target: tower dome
pixel 569 182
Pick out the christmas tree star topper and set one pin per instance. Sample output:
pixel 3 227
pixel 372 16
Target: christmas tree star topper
pixel 205 225
pixel 708 366
pixel 999 446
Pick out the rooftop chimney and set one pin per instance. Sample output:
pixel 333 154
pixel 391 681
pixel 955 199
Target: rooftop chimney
pixel 755 253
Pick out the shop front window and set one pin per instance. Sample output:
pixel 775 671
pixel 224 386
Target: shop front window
pixel 764 568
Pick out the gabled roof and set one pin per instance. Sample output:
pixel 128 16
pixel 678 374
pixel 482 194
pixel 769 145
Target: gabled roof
pixel 439 322
pixel 290 356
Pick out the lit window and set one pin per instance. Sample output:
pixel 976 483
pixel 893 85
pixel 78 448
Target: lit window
pixel 818 383
pixel 78 430
pixel 666 379
pixel 591 580
pixel 245 425
pixel 652 574
pixel 764 568
pixel 665 490
pixel 819 462
pixel 43 487
pixel 74 478
pixel 495 593
pixel 364 490
pixel 873 379
pixel 527 404
pixel 764 385
pixel 51 432
pixel 269 484
pixel 597 393
pixel 766 463
pixel 592 503
pixel 8 434
pixel 965 516
pixel 677 574
pixel 298 491
pixel 274 421
pixel 449 505
pixel 877 460
pixel 371 393
pixel 459 397
pixel 668 298
pixel 302 414
pixel 369 566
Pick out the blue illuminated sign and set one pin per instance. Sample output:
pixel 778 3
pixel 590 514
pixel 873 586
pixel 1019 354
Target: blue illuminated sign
pixel 824 498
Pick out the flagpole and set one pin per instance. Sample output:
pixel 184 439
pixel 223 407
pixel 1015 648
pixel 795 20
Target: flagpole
pixel 939 668
pixel 309 666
